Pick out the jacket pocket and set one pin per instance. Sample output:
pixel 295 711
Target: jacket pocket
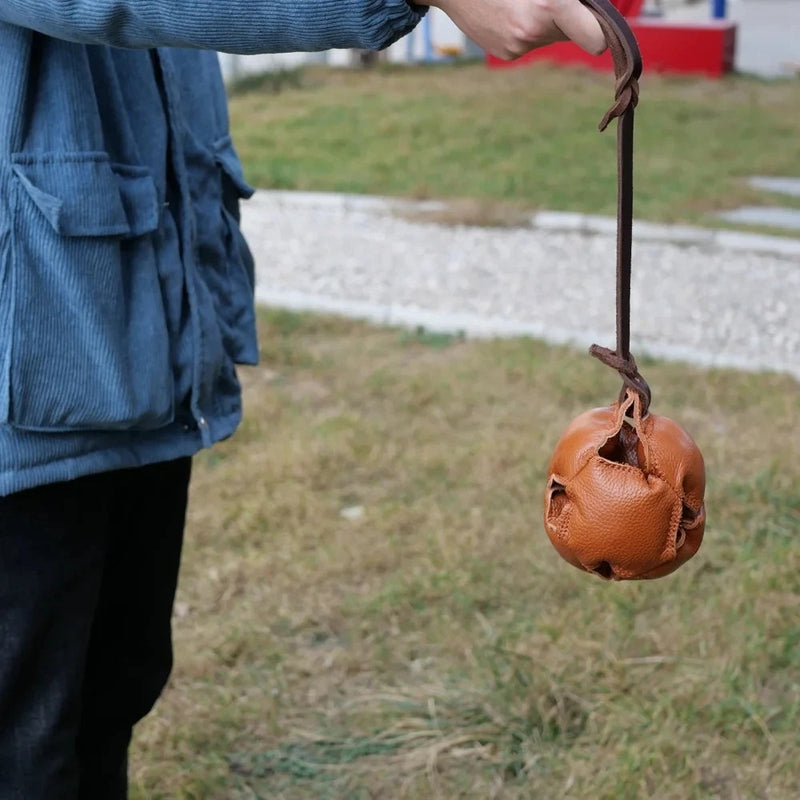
pixel 230 275
pixel 89 348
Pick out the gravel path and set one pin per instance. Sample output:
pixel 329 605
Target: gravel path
pixel 697 296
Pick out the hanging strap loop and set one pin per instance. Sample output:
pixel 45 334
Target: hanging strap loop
pixel 627 69
pixel 625 54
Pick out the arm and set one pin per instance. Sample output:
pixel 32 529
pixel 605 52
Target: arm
pixel 510 28
pixel 235 26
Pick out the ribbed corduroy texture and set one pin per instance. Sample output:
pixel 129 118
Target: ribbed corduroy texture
pixel 125 300
pixel 235 26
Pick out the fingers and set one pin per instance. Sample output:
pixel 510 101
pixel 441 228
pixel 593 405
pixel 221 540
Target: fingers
pixel 511 28
pixel 576 22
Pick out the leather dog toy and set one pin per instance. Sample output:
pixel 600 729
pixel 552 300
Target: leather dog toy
pixel 624 497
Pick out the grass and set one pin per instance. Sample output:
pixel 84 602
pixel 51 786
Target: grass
pixel 369 606
pixel 518 139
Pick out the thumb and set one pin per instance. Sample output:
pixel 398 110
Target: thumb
pixel 578 23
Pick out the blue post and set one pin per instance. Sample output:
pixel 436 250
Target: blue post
pixel 426 30
pixel 718 9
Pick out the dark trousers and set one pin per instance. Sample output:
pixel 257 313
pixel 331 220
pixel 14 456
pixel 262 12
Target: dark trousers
pixel 88 570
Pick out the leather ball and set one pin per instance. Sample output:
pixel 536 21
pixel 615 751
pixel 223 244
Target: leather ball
pixel 624 496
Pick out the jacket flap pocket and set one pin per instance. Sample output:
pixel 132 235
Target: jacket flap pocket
pixel 228 160
pixel 83 194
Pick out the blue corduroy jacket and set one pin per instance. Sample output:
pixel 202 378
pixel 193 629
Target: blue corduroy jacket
pixel 126 288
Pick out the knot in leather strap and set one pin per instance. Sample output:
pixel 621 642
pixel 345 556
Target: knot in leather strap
pixel 625 54
pixel 628 371
pixel 627 98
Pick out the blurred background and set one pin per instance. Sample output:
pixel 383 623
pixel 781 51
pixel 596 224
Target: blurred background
pixel 767 38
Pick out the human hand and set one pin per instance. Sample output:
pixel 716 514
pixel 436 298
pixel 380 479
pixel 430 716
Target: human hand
pixel 510 28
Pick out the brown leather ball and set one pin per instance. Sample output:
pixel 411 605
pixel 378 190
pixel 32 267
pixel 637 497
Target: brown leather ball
pixel 624 495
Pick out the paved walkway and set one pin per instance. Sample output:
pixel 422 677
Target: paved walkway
pixel 706 297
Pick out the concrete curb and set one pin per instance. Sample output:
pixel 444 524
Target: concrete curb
pixel 333 201
pixel 560 221
pixel 480 327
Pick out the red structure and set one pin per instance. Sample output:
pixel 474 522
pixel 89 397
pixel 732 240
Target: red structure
pixel 705 48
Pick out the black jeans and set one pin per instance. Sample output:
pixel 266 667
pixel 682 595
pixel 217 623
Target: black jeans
pixel 88 570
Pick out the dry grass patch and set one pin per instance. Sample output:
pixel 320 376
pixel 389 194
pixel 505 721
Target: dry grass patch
pixel 369 607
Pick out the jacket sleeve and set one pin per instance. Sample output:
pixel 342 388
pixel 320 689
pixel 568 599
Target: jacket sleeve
pixel 233 26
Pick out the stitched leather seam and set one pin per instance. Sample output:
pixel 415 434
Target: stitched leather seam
pixel 563 523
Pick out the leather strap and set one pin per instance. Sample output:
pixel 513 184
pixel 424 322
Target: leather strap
pixel 627 69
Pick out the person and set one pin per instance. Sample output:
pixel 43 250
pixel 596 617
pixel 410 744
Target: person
pixel 126 300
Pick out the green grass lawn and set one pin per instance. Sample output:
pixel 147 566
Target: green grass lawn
pixel 370 608
pixel 521 139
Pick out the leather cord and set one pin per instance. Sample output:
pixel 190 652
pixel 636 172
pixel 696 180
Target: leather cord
pixel 627 69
